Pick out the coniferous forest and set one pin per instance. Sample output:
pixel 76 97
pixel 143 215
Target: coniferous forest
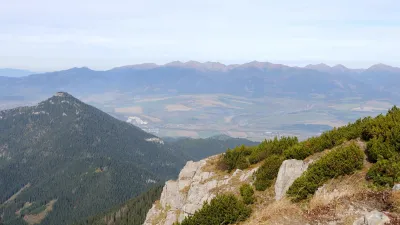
pixel 77 158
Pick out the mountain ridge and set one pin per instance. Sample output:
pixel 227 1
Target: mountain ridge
pixel 67 150
pixel 254 79
pixel 213 66
pixel 218 66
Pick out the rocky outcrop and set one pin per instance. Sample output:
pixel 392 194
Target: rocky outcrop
pixel 396 187
pixel 193 187
pixel 289 171
pixel 373 218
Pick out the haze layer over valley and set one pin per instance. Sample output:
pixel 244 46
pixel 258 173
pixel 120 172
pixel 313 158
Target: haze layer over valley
pixel 255 100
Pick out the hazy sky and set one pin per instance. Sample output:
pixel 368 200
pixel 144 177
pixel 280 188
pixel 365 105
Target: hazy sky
pixel 54 34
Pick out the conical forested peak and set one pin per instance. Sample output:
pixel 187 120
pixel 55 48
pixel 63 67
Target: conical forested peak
pixel 62 96
pixel 88 160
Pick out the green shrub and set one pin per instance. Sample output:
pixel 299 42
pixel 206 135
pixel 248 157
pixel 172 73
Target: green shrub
pixel 326 140
pixel 384 127
pixel 241 157
pixel 376 148
pixel 247 193
pixel 298 151
pixel 223 209
pixel 35 208
pixel 38 210
pixel 341 161
pixel 386 172
pixel 271 147
pixel 381 132
pixel 242 163
pixel 235 158
pixel 267 173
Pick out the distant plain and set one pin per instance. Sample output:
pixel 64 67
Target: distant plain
pixel 200 116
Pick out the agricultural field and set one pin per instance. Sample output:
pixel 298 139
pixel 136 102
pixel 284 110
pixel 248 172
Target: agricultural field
pixel 253 118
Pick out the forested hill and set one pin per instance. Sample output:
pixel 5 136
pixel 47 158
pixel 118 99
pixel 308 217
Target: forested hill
pixel 132 212
pixel 63 160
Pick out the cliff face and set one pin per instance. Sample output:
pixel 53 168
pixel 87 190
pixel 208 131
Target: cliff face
pixel 197 183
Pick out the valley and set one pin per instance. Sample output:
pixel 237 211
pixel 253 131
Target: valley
pixel 201 116
pixel 255 100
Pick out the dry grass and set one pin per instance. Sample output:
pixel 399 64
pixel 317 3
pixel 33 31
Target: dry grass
pixel 268 211
pixel 348 208
pixel 233 185
pixel 158 205
pixel 394 219
pixel 316 156
pixel 185 190
pixel 340 187
pixel 162 213
pixel 233 182
pixel 342 210
pixel 213 164
pixel 395 201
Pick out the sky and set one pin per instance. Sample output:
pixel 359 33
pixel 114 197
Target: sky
pixel 45 35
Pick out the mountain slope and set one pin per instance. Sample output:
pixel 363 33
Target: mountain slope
pixel 78 156
pixel 131 212
pixel 134 211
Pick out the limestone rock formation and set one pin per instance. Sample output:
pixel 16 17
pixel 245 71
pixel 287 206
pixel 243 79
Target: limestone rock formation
pixel 373 218
pixel 289 171
pixel 193 187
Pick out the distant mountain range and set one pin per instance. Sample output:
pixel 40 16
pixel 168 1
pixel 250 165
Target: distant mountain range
pixel 254 79
pixel 217 66
pixel 14 72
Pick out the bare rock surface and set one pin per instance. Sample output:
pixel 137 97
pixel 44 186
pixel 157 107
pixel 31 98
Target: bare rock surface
pixel 289 171
pixel 372 218
pixel 187 194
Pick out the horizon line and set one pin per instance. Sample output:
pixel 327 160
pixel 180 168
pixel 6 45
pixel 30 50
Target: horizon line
pixel 193 63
